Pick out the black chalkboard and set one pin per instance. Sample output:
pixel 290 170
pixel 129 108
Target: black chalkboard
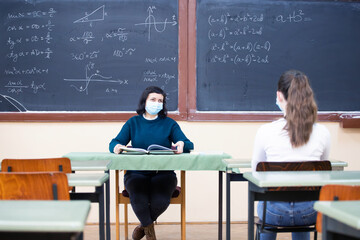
pixel 243 46
pixel 76 55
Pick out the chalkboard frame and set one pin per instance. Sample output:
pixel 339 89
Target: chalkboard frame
pixel 179 114
pixel 346 119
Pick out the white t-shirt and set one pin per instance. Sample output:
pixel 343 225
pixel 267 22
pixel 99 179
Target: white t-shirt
pixel 272 143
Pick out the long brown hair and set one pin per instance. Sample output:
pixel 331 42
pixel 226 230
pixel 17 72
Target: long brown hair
pixel 301 108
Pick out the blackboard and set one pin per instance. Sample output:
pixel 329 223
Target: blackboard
pixel 243 46
pixel 62 55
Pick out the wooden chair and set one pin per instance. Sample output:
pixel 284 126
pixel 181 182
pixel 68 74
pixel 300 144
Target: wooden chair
pixel 336 193
pixel 178 197
pixel 37 165
pixel 34 186
pixel 261 226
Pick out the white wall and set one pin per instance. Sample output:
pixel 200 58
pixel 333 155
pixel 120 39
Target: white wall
pixel 36 140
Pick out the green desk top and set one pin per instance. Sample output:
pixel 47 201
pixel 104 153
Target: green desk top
pixel 246 163
pixel 43 216
pixel 87 179
pixel 186 161
pixel 303 178
pixel 347 212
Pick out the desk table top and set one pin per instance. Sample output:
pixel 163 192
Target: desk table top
pixel 186 161
pixel 246 163
pixel 302 178
pixel 347 212
pixel 43 216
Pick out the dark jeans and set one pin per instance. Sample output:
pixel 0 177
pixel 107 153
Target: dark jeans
pixel 150 193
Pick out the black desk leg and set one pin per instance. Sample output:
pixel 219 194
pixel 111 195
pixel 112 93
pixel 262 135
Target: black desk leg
pixel 251 199
pixel 220 205
pixel 228 206
pixel 100 192
pixel 108 207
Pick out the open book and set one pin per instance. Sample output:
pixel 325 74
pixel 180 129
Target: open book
pixel 152 149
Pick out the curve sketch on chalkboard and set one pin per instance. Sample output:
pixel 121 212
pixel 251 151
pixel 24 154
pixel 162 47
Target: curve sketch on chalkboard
pixel 95 77
pixel 12 102
pixel 95 16
pixel 150 21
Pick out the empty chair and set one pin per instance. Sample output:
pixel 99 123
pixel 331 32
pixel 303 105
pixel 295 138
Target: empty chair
pixel 336 193
pixel 37 165
pixel 34 186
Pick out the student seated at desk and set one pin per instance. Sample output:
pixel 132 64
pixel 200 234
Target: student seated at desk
pixel 150 191
pixel 296 137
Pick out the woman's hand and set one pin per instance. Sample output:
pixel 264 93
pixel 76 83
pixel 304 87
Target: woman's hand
pixel 117 149
pixel 179 146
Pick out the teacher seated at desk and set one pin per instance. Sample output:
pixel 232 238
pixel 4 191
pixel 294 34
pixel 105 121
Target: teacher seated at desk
pixel 296 137
pixel 150 191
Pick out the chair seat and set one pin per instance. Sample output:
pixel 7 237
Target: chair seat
pixel 279 228
pixel 175 194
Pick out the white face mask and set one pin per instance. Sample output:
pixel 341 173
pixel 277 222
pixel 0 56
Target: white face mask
pixel 153 108
pixel 279 105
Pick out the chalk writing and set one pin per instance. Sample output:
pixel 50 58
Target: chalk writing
pixel 93 77
pixel 119 33
pixel 59 50
pixel 150 21
pixel 153 76
pixel 227 18
pixel 293 17
pixel 249 46
pixel 123 52
pixel 84 55
pixel 160 59
pixel 34 14
pixel 86 38
pixel 28 71
pixel 49 26
pixel 14 56
pixel 95 16
pixel 13 102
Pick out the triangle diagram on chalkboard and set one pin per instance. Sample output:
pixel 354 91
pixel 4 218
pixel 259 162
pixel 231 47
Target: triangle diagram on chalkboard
pixel 96 15
pixel 9 104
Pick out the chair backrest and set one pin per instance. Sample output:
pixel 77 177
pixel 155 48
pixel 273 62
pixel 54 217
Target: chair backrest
pixel 336 193
pixel 37 165
pixel 34 186
pixel 294 166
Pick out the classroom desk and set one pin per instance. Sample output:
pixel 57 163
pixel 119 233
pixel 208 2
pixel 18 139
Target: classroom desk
pixel 96 180
pixel 259 182
pixel 341 219
pixel 43 219
pixel 97 165
pixel 233 174
pixel 187 162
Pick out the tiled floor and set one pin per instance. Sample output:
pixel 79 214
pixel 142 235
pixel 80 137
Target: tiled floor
pixel 193 232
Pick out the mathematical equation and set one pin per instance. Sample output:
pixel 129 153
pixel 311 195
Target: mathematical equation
pixel 84 52
pixel 238 38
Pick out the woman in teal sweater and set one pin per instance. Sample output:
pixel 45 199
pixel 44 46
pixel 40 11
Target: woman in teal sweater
pixel 150 191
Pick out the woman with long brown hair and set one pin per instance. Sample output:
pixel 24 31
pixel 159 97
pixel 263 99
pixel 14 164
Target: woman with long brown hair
pixel 295 137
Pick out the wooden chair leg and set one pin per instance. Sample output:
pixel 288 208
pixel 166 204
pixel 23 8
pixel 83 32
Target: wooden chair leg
pixel 183 217
pixel 117 204
pixel 126 222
